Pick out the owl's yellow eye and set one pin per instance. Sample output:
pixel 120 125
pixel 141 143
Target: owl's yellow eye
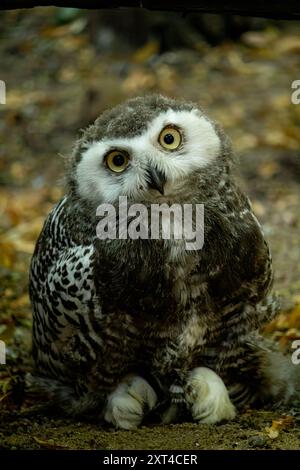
pixel 117 160
pixel 170 138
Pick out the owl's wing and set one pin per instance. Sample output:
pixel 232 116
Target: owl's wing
pixel 63 295
pixel 239 274
pixel 239 279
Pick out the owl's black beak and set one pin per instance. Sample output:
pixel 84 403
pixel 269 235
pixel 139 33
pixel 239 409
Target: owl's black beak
pixel 156 179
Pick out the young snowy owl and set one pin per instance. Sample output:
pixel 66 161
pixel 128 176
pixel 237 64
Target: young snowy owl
pixel 129 328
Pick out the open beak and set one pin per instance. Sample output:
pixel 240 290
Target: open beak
pixel 156 180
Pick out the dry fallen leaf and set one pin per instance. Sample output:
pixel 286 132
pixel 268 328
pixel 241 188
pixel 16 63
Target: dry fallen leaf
pixel 258 39
pixel 7 254
pixel 268 169
pixel 288 45
pixel 279 424
pixel 294 317
pixel 22 301
pixel 272 433
pixel 137 80
pixel 48 444
pixel 145 52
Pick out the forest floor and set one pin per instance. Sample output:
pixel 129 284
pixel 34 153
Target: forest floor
pixel 57 82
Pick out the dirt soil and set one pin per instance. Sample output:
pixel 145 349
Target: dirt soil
pixel 58 81
pixel 247 432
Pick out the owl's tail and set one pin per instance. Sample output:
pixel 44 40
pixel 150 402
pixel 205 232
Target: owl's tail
pixel 265 375
pixel 280 378
pixel 64 397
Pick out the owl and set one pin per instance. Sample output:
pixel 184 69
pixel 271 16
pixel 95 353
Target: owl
pixel 129 328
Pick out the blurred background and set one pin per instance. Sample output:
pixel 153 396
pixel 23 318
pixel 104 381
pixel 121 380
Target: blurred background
pixel 63 67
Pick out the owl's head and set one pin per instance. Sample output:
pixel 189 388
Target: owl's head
pixel 148 148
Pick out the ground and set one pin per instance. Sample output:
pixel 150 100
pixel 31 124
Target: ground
pixel 57 82
pixel 247 432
